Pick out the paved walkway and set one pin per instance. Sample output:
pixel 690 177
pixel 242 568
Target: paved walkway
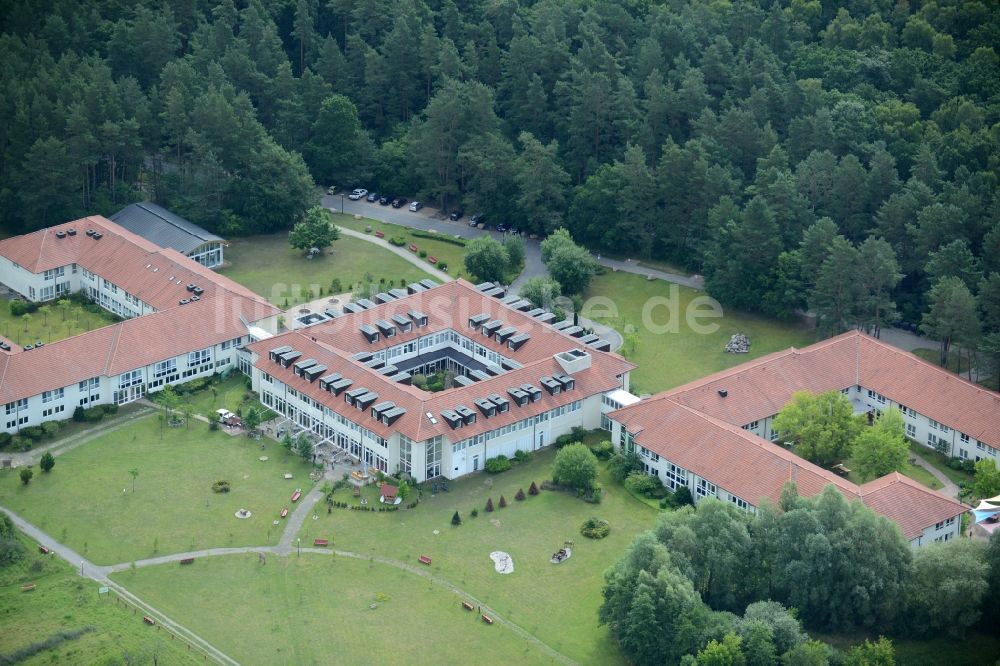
pixel 100 574
pixel 60 446
pixel 399 251
pixel 628 266
pixel 948 487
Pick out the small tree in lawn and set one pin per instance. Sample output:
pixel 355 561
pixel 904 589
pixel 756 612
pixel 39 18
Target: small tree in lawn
pixel 576 467
pixel 403 491
pixel 456 519
pixel 533 489
pixel 314 231
pixel 503 502
pixel 520 495
pixel 489 504
pixel 134 472
pixel 252 419
pixel 47 462
pixel 26 475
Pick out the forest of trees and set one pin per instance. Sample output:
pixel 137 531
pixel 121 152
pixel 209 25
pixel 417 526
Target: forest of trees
pixel 775 146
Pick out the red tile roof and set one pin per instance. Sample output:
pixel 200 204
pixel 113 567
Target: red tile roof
pixel 760 388
pixel 155 275
pixel 447 306
pixel 127 345
pixel 693 426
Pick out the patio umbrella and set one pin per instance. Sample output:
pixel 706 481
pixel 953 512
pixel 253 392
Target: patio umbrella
pixel 993 500
pixel 986 505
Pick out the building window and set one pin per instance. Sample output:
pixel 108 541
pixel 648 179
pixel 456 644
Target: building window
pixel 706 489
pixel 739 502
pixel 53 410
pixel 433 449
pixel 17 406
pixel 49 396
pixel 911 430
pixel 675 476
pixel 164 368
pixel 130 378
pixel 199 357
pixel 405 453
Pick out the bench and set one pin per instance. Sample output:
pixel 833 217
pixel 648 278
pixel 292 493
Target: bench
pixel 148 620
pixel 413 248
pixel 423 559
pixel 187 560
pixel 487 619
pixel 43 550
pixel 27 587
pixel 433 260
pixel 321 542
pixel 467 605
pixel 380 234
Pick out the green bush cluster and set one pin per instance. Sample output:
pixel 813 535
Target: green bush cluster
pixel 595 528
pixel 438 237
pixel 675 500
pixel 968 466
pixel 497 464
pixel 646 485
pixel 575 436
pixel 398 241
pixel 603 450
pixel 220 486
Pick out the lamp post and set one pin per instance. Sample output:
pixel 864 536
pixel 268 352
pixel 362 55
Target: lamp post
pixel 298 541
pixel 341 203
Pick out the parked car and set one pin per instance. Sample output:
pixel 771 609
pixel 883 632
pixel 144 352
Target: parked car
pixel 415 206
pixel 456 215
pixel 385 200
pixel 399 202
pixel 331 190
pixel 357 193
pixel 372 197
pixel 502 228
pixel 477 219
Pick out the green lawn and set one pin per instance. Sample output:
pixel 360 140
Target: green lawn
pixel 450 253
pixel 268 266
pixel 55 323
pixel 975 649
pixel 940 462
pixel 669 358
pixel 315 609
pixel 64 602
pixel 558 604
pixel 918 474
pixel 81 502
pixel 231 394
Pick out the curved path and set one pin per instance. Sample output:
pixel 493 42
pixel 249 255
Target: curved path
pixel 949 488
pixel 533 267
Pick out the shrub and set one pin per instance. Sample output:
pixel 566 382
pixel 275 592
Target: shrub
pixel 646 485
pixel 5 439
pixel 47 462
pixel 604 450
pixel 456 519
pixel 110 408
pixel 489 504
pixel 213 425
pixel 497 464
pixel 78 414
pixel 19 443
pixel 422 254
pixel 220 486
pixel 522 456
pixel 26 475
pixel 595 528
pixel 443 265
pixel 93 414
pixel 335 286
pixel 21 308
pixel 533 489
pixel 622 464
pixel 578 433
pixel 32 432
pixel 474 513
pixel 50 428
pixel 438 237
pixel 520 495
pixel 398 241
pixel 503 502
pixel 563 440
pixel 682 497
pixel 576 467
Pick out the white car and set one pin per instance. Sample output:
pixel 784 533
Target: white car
pixel 415 206
pixel 225 415
pixel 357 194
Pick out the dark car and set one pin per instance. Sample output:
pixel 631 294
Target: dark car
pixel 373 197
pixel 456 215
pixel 477 219
pixel 502 228
pixel 385 200
pixel 399 202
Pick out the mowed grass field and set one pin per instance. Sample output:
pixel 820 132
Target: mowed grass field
pixel 670 352
pixel 56 323
pixel 173 509
pixel 453 255
pixel 556 603
pixel 317 609
pixel 269 266
pixel 64 602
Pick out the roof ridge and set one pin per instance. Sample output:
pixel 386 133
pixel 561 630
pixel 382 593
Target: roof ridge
pixel 896 477
pixel 113 349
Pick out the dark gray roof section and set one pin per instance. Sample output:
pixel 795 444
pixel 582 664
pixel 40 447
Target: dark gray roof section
pixel 162 227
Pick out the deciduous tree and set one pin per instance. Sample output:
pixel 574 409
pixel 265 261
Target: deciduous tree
pixel 882 448
pixel 822 427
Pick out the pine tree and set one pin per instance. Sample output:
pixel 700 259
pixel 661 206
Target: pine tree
pixel 489 505
pixel 456 519
pixel 503 502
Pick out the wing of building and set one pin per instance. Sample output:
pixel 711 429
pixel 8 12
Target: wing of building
pixel 715 435
pixel 182 320
pixel 165 229
pixel 518 382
